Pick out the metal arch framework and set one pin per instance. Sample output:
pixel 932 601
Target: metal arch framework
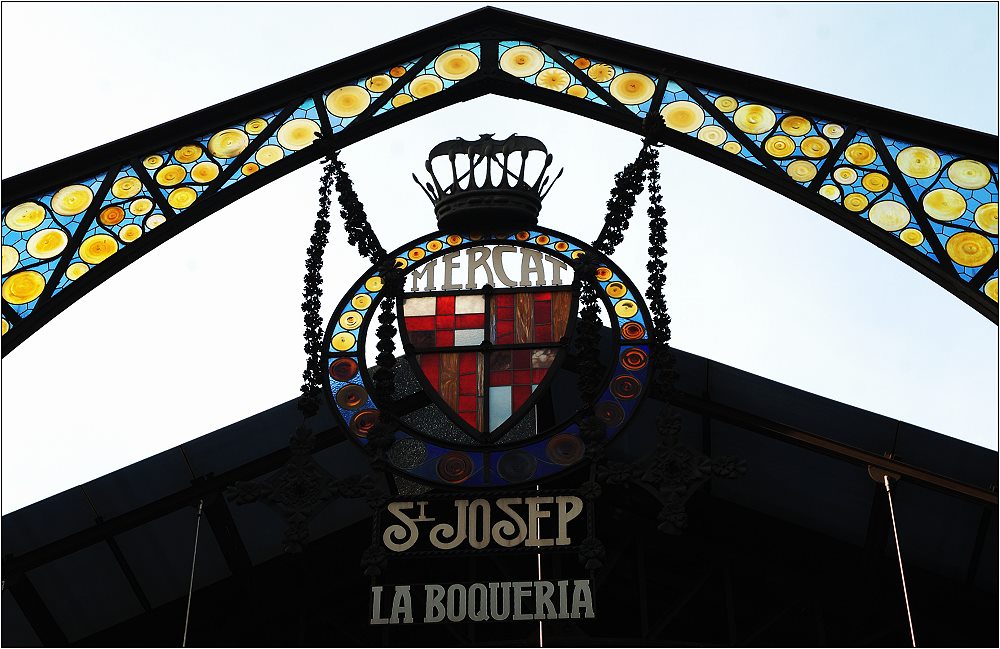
pixel 843 158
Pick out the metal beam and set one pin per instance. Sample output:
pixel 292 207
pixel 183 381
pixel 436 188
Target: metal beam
pixel 36 612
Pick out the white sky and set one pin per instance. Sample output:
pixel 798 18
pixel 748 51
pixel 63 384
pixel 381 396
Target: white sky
pixel 206 329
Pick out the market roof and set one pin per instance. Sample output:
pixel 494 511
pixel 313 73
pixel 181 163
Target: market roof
pixel 119 548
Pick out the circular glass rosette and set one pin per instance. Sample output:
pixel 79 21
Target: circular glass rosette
pixel 430 459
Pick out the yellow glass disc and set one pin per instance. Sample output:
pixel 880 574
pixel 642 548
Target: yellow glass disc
pixel 577 91
pixel 155 221
pixel 24 217
pixel 830 191
pixel 542 239
pixel 76 270
pixel 815 147
pixel 875 182
pixel 250 168
pixel 269 154
pixel 714 135
pixel 187 153
pixel 582 63
pixel 4 327
pixel 112 215
pixel 23 287
pixel 577 254
pixel 255 126
pixel 126 187
pixel 378 83
pixel 72 200
pixel 351 320
pixel 732 147
pixel 141 206
pixel 348 101
pixel 603 274
pixel 298 133
pixel 130 233
pixel 969 174
pixel 918 162
pixel 97 248
pixel 754 118
pixel 171 175
pixel 401 100
pixel 912 236
pixel 522 61
pixel 343 341
pixel 454 239
pixel 683 116
pixel 991 289
pixel 561 246
pixel 986 217
pixel 795 125
pixel 434 245
pixel 944 204
pixel 801 171
pixel 833 131
pixel 152 161
pixel 425 85
pixel 416 254
pixel 397 72
pixel 601 72
pixel 228 143
pixel 779 146
pixel 969 249
pixel 726 104
pixel 845 175
pixel 374 284
pixel 889 215
pixel 855 202
pixel 632 88
pixel 205 172
pixel 361 301
pixel 401 263
pixel 456 64
pixel 10 258
pixel 860 153
pixel 47 243
pixel 553 79
pixel 616 289
pixel 626 308
pixel 182 197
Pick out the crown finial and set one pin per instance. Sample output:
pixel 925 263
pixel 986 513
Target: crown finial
pixel 491 185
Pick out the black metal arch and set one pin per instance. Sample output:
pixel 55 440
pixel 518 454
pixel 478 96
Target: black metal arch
pixel 489 26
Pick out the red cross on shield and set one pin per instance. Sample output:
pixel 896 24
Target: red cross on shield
pixel 484 354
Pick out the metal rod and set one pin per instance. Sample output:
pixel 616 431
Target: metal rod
pixel 541 642
pixel 194 559
pixel 899 554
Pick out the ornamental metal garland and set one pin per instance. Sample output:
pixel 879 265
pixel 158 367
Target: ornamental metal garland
pixel 302 488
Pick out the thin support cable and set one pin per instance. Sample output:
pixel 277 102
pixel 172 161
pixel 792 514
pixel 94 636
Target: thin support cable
pixel 541 638
pixel 194 559
pixel 899 554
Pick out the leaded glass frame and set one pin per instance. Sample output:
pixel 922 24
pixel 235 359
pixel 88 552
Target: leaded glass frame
pixel 792 140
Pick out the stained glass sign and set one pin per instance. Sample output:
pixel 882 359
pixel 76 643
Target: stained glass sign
pixel 486 320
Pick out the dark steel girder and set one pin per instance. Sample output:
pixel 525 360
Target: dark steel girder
pixel 487 25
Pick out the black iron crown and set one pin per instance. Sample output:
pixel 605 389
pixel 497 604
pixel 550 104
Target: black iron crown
pixel 501 197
